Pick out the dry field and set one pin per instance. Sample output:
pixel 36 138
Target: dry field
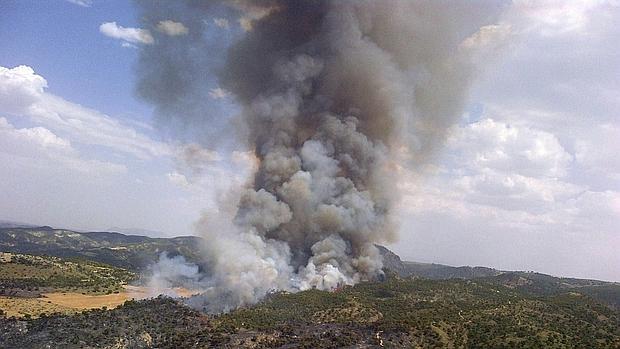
pixel 20 307
pixel 67 302
pixel 80 301
pixel 70 302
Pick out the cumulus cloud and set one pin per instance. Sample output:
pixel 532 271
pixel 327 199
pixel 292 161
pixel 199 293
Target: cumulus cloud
pixel 45 149
pixel 66 165
pixel 20 87
pixel 536 175
pixel 130 35
pixel 516 149
pixel 38 136
pixel 172 28
pixel 22 93
pixel 512 188
pixel 494 164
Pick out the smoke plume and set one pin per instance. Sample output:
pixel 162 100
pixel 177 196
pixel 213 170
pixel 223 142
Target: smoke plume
pixel 335 97
pixel 170 272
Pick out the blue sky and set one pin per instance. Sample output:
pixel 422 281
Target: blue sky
pixel 528 179
pixel 62 42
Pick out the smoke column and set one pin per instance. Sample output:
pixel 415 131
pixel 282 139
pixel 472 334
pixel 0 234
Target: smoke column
pixel 335 97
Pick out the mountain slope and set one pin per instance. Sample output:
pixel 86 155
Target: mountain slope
pixel 396 313
pixel 136 253
pixel 535 284
pixel 417 305
pixel 25 275
pixel 125 251
pixel 432 271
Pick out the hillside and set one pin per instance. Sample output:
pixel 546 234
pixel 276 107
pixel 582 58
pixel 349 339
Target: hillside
pixel 31 286
pixel 28 275
pixel 125 251
pixel 393 314
pixel 432 271
pixel 136 253
pixel 418 305
pixel 528 282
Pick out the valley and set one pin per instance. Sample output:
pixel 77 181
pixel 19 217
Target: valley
pixel 56 291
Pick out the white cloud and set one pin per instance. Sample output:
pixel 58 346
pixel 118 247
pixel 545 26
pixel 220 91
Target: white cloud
pixel 507 192
pixel 514 192
pixel 20 87
pixel 131 35
pixel 556 17
pixel 22 93
pixel 172 28
pixel 178 179
pixel 516 149
pixel 128 45
pixel 596 151
pixel 72 166
pixel 562 64
pixel 218 93
pixel 541 180
pixel 83 3
pixel 46 150
pixel 38 137
pixel 511 221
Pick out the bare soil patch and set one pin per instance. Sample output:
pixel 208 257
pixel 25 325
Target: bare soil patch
pixel 73 302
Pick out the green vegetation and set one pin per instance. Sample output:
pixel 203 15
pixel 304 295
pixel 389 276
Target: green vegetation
pixel 130 252
pixel 159 322
pixel 451 313
pixel 396 313
pixel 27 275
pixel 418 305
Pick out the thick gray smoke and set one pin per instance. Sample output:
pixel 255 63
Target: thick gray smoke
pixel 335 96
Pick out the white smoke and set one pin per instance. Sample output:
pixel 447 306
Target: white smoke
pixel 332 94
pixel 168 273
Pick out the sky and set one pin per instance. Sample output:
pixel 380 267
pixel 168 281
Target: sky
pixel 528 179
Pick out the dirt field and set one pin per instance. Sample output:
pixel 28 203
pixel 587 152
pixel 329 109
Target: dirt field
pixel 79 301
pixel 20 307
pixel 69 302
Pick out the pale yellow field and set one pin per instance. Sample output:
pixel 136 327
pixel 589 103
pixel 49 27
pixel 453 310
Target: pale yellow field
pixel 19 307
pixel 70 302
pixel 80 301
